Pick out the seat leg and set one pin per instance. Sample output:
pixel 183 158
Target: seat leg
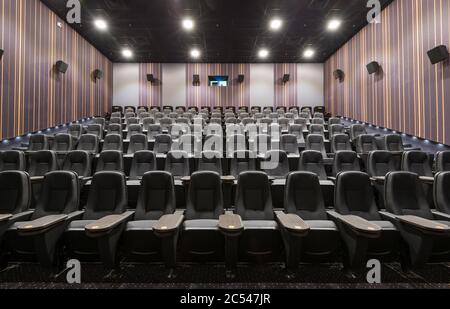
pixel 292 250
pixel 169 250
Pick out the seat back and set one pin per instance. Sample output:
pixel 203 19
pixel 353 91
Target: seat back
pixel 365 143
pixel 205 198
pixel 75 130
pixel 38 142
pixel 404 195
pixel 107 196
pixel 95 129
pixel 318 121
pixel 177 163
pixel 153 131
pixel 110 160
pixel 316 142
pixel 15 191
pixel 393 142
pixel 42 162
pixel 211 161
pixel 262 144
pixel 134 129
pixel 137 142
pixel 189 143
pixel 143 161
pixel 317 129
pixel 156 196
pixel 113 142
pixel 12 160
pixel 163 143
pixel 303 196
pixel 235 142
pixel 381 162
pixel 340 142
pixel 333 121
pixel 289 144
pixel 253 196
pixel 242 161
pixel 417 162
pixel 312 161
pixel 336 129
pixel 345 161
pixel 443 161
pixel 78 161
pixel 279 161
pixel 60 194
pixel 88 142
pixel 62 142
pixel 442 192
pixel 354 195
pixel 114 128
pixel 357 130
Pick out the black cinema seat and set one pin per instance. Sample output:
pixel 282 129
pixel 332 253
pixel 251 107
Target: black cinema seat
pixel 137 142
pixel 417 162
pixel 243 160
pixel 289 144
pixel 78 161
pixel 62 142
pixel 110 160
pixel 443 161
pixel 363 230
pixel 393 143
pixel 105 217
pixel 163 144
pixel 89 143
pixel 211 161
pixel 276 163
pixel 357 130
pixel 365 143
pixel 38 142
pixel 113 142
pixel 12 160
pixel 143 161
pixel 340 142
pixel 39 235
pixel 75 130
pixel 177 163
pixel 42 162
pixel 345 161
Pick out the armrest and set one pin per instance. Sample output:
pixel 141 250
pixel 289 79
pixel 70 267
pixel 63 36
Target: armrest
pixel 427 179
pixel 441 216
pixel 292 223
pixel 107 223
pixel 36 179
pixel 357 224
pixel 75 215
pixel 424 224
pixel 168 224
pixel 231 224
pixel 228 179
pixel 378 179
pixel 5 217
pixel 333 179
pixel 186 179
pixel 41 224
pixel 22 216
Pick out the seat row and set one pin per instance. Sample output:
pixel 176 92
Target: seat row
pixel 251 230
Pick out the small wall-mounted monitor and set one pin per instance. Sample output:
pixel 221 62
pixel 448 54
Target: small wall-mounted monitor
pixel 218 81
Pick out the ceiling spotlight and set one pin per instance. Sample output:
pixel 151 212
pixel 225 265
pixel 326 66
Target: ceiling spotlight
pixel 195 53
pixel 263 53
pixel 127 53
pixel 334 24
pixel 101 24
pixel 308 53
pixel 188 24
pixel 275 24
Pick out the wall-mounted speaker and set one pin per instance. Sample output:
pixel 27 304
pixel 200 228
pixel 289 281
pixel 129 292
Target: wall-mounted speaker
pixel 241 78
pixel 339 74
pixel 61 67
pixel 98 74
pixel 438 54
pixel 151 78
pixel 286 78
pixel 1 53
pixel 373 67
pixel 196 80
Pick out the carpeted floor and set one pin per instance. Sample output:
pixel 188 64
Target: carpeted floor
pixel 26 275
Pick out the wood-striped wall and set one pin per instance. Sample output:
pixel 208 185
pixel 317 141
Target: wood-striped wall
pixel 410 94
pixel 150 94
pixel 285 93
pixel 237 94
pixel 32 95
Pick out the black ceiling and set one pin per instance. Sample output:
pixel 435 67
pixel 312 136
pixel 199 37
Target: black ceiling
pixel 226 30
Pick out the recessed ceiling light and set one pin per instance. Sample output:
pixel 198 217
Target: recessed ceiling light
pixel 127 53
pixel 334 24
pixel 275 24
pixel 188 24
pixel 308 53
pixel 101 24
pixel 195 53
pixel 263 53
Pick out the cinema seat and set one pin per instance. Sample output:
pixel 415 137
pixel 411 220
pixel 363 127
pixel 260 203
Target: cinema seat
pixel 242 161
pixel 143 161
pixel 110 160
pixel 317 129
pixel 12 160
pixel 260 239
pixel 443 161
pixel 39 235
pixel 211 161
pixel 426 233
pixel 38 142
pixel 345 161
pixel 316 142
pixel 289 144
pixel 105 217
pixel 363 230
pixel 393 143
pixel 177 163
pixel 357 130
pixel 201 237
pixel 340 142
pixel 417 162
pixel 113 142
pixel 276 164
pixel 163 144
pixel 137 142
pixel 312 161
pixel 333 121
pixel 62 143
pixel 365 143
pixel 153 130
pixel 42 162
pixel 134 129
pixel 75 130
pixel 95 129
pixel 78 161
pixel 89 143
pixel 114 128
pixel 152 234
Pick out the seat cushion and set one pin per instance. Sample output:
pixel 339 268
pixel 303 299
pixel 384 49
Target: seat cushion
pixel 78 225
pixel 321 225
pixel 201 225
pixel 260 225
pixel 143 225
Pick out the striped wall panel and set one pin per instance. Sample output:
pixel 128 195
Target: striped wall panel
pixel 150 94
pixel 285 93
pixel 237 94
pixel 410 94
pixel 32 95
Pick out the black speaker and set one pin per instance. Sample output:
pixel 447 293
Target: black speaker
pixel 98 74
pixel 286 78
pixel 150 78
pixel 1 53
pixel 339 74
pixel 373 67
pixel 61 66
pixel 438 54
pixel 241 78
pixel 196 79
